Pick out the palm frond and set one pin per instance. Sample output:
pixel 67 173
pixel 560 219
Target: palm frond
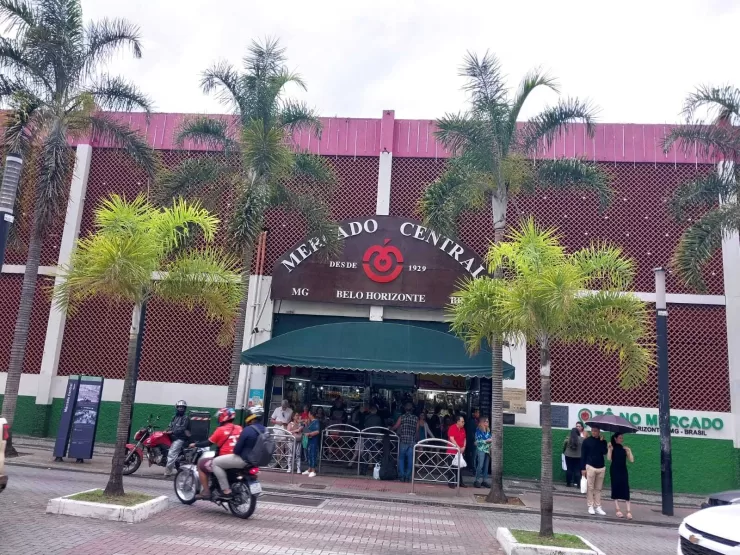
pixel 485 83
pixel 265 151
pixel 175 225
pixel 247 219
pixel 705 140
pixel 18 15
pixel 605 267
pixel 57 162
pixel 457 132
pixel 17 59
pixel 207 131
pixel 533 80
pixel 700 241
pixel 476 317
pixel 572 173
pixel 295 116
pixel 265 58
pixel 315 169
pixel 206 278
pixel 555 120
pixel 122 136
pixel 459 189
pixel 21 123
pixel 190 177
pixel 703 191
pixel 119 95
pixel 223 79
pixel 722 103
pixel 105 37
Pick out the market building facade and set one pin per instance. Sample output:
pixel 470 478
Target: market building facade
pixel 370 322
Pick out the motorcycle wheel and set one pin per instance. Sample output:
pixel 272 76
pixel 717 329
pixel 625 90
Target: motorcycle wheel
pixel 244 503
pixel 131 463
pixel 186 486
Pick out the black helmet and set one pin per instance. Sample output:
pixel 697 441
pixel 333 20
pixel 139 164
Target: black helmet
pixel 181 405
pixel 250 416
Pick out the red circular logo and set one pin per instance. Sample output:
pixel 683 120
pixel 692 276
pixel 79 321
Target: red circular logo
pixel 382 264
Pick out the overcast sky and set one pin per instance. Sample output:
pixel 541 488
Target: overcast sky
pixel 636 60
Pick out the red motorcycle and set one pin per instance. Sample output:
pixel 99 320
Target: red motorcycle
pixel 156 445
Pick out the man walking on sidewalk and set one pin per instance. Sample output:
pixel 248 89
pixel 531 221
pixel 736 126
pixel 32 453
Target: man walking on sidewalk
pixel 592 467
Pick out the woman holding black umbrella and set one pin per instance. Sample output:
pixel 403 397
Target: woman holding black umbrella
pixel 619 455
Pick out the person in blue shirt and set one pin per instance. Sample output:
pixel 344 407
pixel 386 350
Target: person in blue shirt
pixel 239 459
pixel 312 434
pixel 482 453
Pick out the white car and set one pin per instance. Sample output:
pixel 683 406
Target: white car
pixel 712 531
pixel 3 438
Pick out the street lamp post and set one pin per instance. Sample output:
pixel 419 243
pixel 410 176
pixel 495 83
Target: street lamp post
pixel 8 190
pixel 664 404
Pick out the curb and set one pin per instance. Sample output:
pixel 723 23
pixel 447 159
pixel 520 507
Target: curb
pixel 369 497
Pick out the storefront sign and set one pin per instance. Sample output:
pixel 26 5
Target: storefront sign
pixel 393 379
pixel 683 423
pixel 385 261
pixel 335 377
pixel 515 400
pixel 446 383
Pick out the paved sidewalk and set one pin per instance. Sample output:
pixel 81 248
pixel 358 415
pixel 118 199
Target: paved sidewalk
pixel 36 452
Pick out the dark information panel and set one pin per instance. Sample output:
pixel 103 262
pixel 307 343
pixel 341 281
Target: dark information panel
pixel 85 422
pixel 65 422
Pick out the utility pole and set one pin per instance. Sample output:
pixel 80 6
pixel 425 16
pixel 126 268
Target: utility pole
pixel 664 403
pixel 8 190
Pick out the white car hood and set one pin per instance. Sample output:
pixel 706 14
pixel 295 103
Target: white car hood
pixel 721 521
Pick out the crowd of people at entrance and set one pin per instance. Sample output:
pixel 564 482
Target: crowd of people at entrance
pixel 584 452
pixel 411 422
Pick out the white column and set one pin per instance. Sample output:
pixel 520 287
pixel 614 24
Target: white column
pixel 259 318
pixel 731 271
pixel 57 319
pixel 383 195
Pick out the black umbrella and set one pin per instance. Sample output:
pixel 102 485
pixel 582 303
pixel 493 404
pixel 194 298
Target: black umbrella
pixel 612 423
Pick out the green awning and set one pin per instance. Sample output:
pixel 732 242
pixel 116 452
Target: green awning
pixel 377 346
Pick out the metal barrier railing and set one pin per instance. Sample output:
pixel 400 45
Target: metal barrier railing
pixel 432 463
pixel 286 451
pixel 339 444
pixel 370 447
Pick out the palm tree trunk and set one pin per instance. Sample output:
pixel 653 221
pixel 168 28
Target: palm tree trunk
pixel 115 481
pixel 22 323
pixel 546 417
pixel 236 352
pixel 497 495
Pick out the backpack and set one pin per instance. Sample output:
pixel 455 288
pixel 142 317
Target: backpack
pixel 388 470
pixel 264 447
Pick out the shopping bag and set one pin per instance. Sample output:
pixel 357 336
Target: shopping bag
pixel 304 442
pixel 562 462
pixel 584 484
pixel 376 472
pixel 459 461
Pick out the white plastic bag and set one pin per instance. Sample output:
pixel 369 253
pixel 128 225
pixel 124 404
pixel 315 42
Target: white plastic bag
pixel 562 462
pixel 376 472
pixel 584 484
pixel 459 461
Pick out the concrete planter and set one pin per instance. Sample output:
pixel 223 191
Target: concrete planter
pixel 104 511
pixel 513 547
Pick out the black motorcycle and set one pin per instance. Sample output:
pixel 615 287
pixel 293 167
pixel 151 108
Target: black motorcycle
pixel 245 487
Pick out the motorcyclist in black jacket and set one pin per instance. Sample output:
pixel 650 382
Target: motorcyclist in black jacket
pixel 180 430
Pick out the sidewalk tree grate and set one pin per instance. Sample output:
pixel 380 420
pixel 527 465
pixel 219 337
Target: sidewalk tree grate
pixel 291 500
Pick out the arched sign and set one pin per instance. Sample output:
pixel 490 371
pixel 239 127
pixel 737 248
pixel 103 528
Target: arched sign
pixel 385 260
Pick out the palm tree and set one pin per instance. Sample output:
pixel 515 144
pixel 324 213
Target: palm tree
pixel 716 136
pixel 133 242
pixel 490 164
pixel 259 168
pixel 54 87
pixel 541 301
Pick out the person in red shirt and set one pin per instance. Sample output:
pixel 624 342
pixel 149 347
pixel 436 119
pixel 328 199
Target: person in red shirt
pixel 224 438
pixel 458 437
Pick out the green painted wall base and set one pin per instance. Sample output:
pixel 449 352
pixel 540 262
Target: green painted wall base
pixel 699 465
